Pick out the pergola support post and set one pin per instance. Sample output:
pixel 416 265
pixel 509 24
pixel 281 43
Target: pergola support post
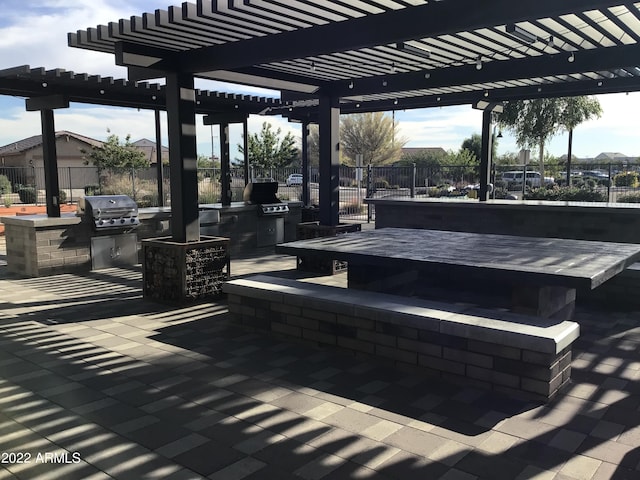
pixel 306 197
pixel 485 156
pixel 159 166
pixel 329 189
pixel 225 165
pixel 50 158
pixel 49 155
pixel 245 146
pixel 181 116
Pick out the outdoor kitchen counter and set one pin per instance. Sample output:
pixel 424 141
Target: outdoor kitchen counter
pixel 38 245
pixel 607 222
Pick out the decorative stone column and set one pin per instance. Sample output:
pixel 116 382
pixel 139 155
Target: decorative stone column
pixel 182 272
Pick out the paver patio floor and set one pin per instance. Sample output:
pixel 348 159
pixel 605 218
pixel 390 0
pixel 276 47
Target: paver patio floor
pixel 98 383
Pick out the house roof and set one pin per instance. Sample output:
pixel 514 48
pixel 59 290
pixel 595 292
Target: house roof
pixel 29 143
pixel 610 156
pixel 148 147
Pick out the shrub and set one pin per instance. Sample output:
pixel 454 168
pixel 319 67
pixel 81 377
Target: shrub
pixel 626 179
pixel 5 185
pixel 500 193
pixel 629 198
pixel 208 197
pixel 566 194
pixel 27 194
pixel 353 209
pixel 91 190
pixel 380 183
pixel 500 184
pixel 148 200
pixel 62 197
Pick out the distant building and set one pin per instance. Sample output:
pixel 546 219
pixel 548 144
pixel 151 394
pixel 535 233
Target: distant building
pixel 148 147
pixel 28 155
pixel 22 161
pixel 611 157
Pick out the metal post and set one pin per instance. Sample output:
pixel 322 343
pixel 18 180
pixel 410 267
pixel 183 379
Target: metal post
pixel 369 188
pixel 485 156
pixel 413 180
pixel 181 118
pixel 245 145
pixel 52 186
pixel 159 166
pixel 225 165
pixel 70 186
pixel 329 189
pixel 609 184
pixel 306 197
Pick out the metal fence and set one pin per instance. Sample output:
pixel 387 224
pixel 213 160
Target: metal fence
pixel 591 182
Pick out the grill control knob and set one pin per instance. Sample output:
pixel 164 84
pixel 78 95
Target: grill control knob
pixel 133 220
pixel 112 221
pixel 122 220
pixel 100 222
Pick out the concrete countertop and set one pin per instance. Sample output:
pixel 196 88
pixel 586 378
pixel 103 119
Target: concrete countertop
pixel 42 220
pixel 632 208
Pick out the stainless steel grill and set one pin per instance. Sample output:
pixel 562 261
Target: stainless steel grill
pixel 109 212
pixel 263 194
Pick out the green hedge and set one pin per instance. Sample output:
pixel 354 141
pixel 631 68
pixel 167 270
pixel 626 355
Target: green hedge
pixel 626 179
pixel 566 194
pixel 629 198
pixel 27 194
pixel 5 185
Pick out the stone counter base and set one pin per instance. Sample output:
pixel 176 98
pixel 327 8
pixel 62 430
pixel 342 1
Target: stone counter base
pixel 491 349
pixel 42 246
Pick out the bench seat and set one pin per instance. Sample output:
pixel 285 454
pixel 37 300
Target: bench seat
pixel 490 348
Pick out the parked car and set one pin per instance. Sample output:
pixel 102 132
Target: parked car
pixel 597 174
pixel 294 179
pixel 533 178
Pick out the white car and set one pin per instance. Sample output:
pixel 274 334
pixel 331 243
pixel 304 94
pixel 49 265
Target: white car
pixel 533 178
pixel 294 179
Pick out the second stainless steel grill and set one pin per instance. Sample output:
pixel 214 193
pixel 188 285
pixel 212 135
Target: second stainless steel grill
pixel 263 194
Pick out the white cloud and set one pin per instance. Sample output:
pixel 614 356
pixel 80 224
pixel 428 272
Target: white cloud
pixel 35 33
pixel 439 127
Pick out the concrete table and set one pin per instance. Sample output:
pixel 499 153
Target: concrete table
pixel 526 274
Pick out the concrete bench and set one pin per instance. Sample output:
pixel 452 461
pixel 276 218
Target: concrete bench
pixel 488 348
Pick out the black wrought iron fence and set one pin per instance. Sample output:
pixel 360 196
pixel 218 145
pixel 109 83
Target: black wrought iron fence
pixel 614 182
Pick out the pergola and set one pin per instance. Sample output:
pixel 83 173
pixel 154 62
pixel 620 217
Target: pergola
pixel 366 55
pixel 47 90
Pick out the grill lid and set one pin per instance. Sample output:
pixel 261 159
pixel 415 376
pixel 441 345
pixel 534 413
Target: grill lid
pixel 261 192
pixel 109 211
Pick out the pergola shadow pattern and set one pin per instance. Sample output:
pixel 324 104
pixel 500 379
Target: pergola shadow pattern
pixel 142 390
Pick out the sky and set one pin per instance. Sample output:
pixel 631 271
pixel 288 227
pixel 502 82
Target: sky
pixel 34 32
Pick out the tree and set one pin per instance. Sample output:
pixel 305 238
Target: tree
pixel 117 157
pixel 267 150
pixel 534 122
pixel 313 146
pixel 474 145
pixel 426 158
pixel 372 135
pixel 577 111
